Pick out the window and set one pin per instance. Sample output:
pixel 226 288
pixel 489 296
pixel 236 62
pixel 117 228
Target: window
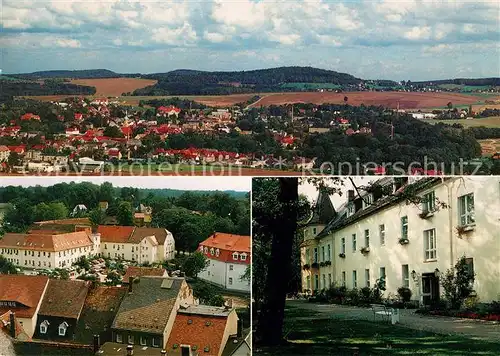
pixel 382 276
pixel 354 279
pixel 217 253
pixel 469 263
pixel 429 202
pixel 343 278
pixel 231 267
pixel 155 342
pixel 404 227
pixel 353 242
pixel 323 253
pixel 367 238
pixel 308 256
pixel 235 256
pixel 329 253
pixel 243 256
pixel 381 230
pixel 119 338
pixel 329 279
pixel 316 282
pixel 212 251
pixel 430 244
pixel 143 341
pixel 367 201
pixel 205 249
pixel 350 210
pixel 342 245
pixel 62 328
pixel 308 282
pixel 315 255
pixel 44 326
pixel 230 280
pixel 324 281
pixel 131 339
pixel 314 231
pixel 466 209
pixel 406 276
pixel 367 278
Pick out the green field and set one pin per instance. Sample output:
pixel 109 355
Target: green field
pixel 464 88
pixel 493 121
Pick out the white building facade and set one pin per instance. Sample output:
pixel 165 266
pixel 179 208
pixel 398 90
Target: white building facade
pixel 372 237
pixel 229 257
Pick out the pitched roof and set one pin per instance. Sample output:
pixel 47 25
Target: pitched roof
pixel 229 242
pixel 142 232
pixel 50 241
pixel 323 210
pixel 136 271
pixel 198 330
pixel 115 233
pixel 149 306
pixel 27 290
pixel 64 298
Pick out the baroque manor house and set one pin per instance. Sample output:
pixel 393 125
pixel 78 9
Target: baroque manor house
pixel 378 233
pixel 58 244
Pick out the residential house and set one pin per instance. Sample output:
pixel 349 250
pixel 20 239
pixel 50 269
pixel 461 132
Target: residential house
pixel 202 329
pixel 79 209
pixel 60 310
pixel 4 153
pixel 229 257
pixel 147 313
pixel 40 249
pixel 103 205
pixel 137 272
pixel 30 116
pixel 141 244
pixel 376 236
pixel 23 296
pixel 167 111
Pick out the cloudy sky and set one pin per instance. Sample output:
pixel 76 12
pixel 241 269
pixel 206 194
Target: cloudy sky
pixel 392 39
pixel 242 184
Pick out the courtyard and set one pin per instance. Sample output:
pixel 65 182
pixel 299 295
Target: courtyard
pixel 328 329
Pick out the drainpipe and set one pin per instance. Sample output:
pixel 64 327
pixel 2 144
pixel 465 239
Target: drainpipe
pixel 450 219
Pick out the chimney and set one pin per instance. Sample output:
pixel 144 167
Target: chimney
pixel 13 325
pixel 130 283
pixel 97 343
pixel 350 195
pixel 130 350
pixel 240 328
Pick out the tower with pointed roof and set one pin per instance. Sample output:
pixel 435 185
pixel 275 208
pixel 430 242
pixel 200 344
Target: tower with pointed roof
pixel 312 254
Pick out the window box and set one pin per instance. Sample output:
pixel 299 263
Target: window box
pixel 322 264
pixel 426 214
pixel 404 241
pixel 306 267
pixel 328 263
pixel 461 230
pixel 315 265
pixel 365 250
pixel 342 255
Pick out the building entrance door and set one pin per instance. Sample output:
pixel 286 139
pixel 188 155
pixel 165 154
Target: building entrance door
pixel 430 288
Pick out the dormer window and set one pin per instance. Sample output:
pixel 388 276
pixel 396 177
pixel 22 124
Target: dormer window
pixel 235 256
pixel 243 256
pixel 205 250
pixel 350 210
pixel 217 252
pixel 367 201
pixel 212 251
pixel 62 328
pixel 44 326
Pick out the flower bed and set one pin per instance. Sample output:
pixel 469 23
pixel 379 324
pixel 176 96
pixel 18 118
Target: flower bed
pixel 461 314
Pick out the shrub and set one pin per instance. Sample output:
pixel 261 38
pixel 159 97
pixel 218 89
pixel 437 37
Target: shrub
pixel 471 303
pixel 494 307
pixel 457 283
pixel 404 294
pixel 376 295
pixel 336 294
pixel 353 297
pixel 365 295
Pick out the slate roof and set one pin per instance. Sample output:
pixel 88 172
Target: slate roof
pixel 136 271
pixel 142 232
pixel 64 298
pixel 323 210
pixel 343 220
pixel 148 307
pixel 130 234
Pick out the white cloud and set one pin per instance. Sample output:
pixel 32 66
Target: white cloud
pixel 418 33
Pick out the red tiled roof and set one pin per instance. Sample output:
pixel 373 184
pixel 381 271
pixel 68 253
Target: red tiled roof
pixel 226 244
pixel 115 233
pixel 30 116
pixel 27 290
pixel 197 333
pixel 50 242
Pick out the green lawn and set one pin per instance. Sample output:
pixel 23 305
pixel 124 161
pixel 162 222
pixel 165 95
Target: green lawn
pixel 335 337
pixel 493 121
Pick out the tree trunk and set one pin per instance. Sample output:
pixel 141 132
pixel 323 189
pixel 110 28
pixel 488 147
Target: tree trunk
pixel 270 325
